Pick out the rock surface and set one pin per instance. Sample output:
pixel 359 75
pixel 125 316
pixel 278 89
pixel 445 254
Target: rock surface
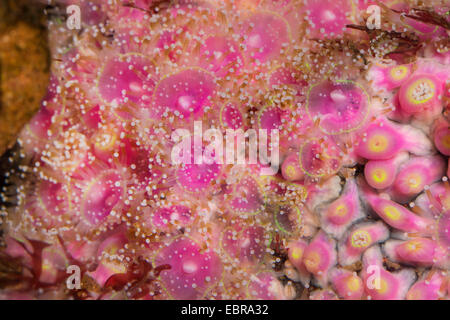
pixel 24 66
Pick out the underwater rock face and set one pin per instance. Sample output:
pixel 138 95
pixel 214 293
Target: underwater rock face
pixel 354 204
pixel 24 66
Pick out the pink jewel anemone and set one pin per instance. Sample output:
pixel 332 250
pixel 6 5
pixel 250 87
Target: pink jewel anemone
pixel 185 93
pixel 341 107
pixel 192 271
pixel 357 199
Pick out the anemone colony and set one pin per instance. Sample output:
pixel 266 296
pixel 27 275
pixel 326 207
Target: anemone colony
pixel 364 145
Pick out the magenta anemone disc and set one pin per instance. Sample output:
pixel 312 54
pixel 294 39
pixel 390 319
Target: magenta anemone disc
pixel 270 118
pixel 101 196
pixel 327 18
pixel 40 123
pixel 231 117
pixel 197 177
pixel 185 93
pixel 288 219
pixel 179 215
pixel 221 56
pixel 318 158
pixel 53 197
pixel 127 79
pixel 192 271
pixel 248 198
pixel 266 34
pixel 246 245
pixel 263 286
pixel 341 107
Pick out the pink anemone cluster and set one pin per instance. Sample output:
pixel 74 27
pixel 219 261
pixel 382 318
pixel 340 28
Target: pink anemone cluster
pixel 358 208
